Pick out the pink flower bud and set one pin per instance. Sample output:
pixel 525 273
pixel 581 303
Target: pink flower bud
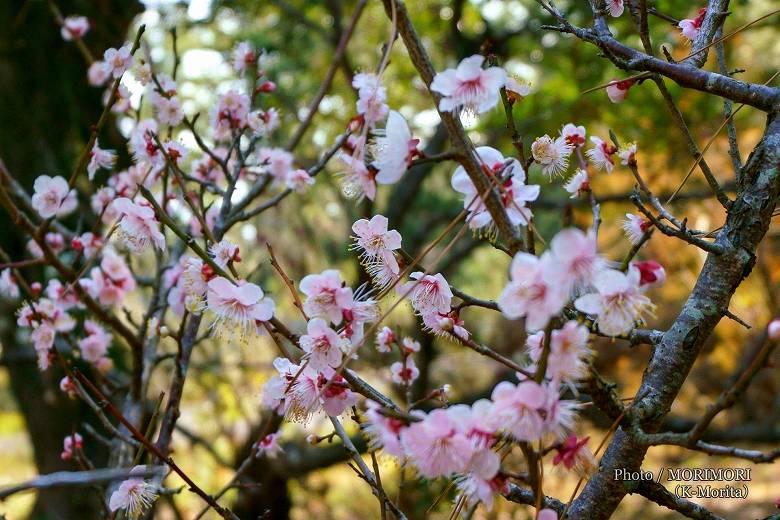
pixel 773 329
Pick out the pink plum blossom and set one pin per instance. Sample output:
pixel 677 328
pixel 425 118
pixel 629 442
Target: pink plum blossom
pixel 71 445
pixel 651 273
pixel 327 297
pixel 322 345
pixel 427 293
pixel 268 446
pixel 237 307
pixel 517 408
pixel 382 431
pixel 99 158
pixel 514 193
pixel 359 180
pixel 376 245
pixel 298 180
pixel 575 455
pixel 576 256
pixel 469 86
pixel 437 445
pixel 372 98
pixel 95 345
pixel 139 227
pixel 618 303
pixel 52 197
pixel 98 73
pixel 224 252
pixel 569 352
pixel 535 290
pixel 74 27
pixel 118 60
pixel 615 7
pixel 278 162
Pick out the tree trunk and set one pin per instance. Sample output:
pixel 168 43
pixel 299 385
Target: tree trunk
pixel 46 113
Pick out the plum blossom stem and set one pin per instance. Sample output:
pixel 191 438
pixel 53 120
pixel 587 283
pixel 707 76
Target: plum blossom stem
pixel 311 110
pixel 114 411
pixel 367 474
pixel 78 479
pixel 462 144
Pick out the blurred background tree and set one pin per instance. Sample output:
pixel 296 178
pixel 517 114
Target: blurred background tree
pixel 47 110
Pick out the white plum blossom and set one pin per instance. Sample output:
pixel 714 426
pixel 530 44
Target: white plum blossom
pixel 242 57
pixel 384 339
pixel 573 135
pixel 516 89
pixel 627 153
pixel 578 183
pixel 618 304
pixel 635 227
pixel 617 90
pixel 552 154
pixel 8 287
pixel 134 495
pixel 690 27
pixel 404 372
pixel 268 446
pixel 394 152
pixel 52 197
pixel 601 154
pixel 469 86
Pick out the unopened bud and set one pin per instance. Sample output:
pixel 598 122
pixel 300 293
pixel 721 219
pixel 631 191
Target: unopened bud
pixel 266 86
pixel 773 329
pixel 447 324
